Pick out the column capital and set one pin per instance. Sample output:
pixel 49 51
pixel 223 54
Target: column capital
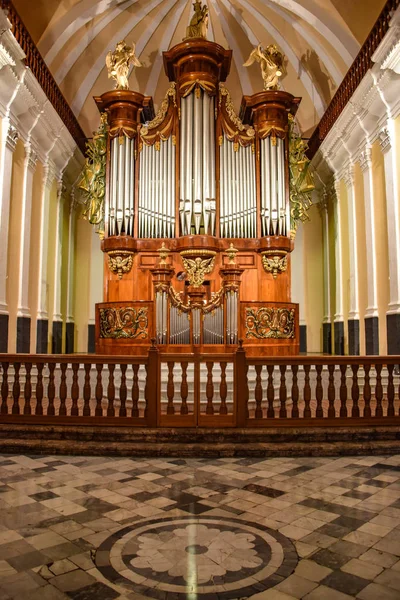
pixel 49 174
pixel 31 157
pixel 336 187
pixel 385 140
pixel 348 176
pixel 365 158
pixel 12 138
pixel 61 189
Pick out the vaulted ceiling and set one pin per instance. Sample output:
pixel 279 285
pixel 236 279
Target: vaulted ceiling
pixel 319 37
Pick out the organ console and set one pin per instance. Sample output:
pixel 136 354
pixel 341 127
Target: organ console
pixel 195 212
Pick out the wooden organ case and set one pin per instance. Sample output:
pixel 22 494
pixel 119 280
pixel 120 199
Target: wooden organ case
pixel 197 222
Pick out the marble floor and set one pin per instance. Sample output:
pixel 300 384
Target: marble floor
pixel 83 528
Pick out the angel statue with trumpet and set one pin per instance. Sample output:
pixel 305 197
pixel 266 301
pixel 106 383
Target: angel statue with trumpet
pixel 272 64
pixel 118 62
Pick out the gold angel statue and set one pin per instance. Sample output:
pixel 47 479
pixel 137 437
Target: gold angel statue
pixel 272 64
pixel 118 64
pixel 199 22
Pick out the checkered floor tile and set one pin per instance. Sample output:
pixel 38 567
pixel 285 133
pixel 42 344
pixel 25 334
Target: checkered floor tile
pixel 84 528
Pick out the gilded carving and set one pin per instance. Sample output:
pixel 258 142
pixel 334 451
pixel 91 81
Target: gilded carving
pixel 301 180
pixel 124 322
pixel 187 86
pixel 177 300
pixel 233 126
pixel 120 262
pixel 163 253
pixel 93 177
pixel 274 262
pixel 217 299
pixel 270 323
pixel 160 127
pixel 231 254
pixel 118 63
pixel 272 63
pixel 198 266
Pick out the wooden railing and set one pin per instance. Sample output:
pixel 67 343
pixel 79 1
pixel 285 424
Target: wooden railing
pixel 353 77
pixel 190 390
pixel 40 70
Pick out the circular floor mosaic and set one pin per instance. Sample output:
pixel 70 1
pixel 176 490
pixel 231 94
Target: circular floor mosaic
pixel 196 557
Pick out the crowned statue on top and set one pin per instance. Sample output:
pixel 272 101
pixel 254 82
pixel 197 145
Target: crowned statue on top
pixel 199 22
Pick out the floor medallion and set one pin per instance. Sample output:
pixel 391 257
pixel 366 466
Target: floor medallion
pixel 199 558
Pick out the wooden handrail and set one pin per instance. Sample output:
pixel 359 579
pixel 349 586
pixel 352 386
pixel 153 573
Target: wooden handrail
pixel 83 359
pixel 353 77
pixel 310 359
pixel 35 62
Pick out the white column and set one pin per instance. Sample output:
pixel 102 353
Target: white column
pixel 23 309
pixel 372 287
pixel 353 259
pixel 8 141
pixel 338 317
pixel 327 318
pixel 392 165
pixel 71 265
pixel 58 254
pixel 297 258
pixel 43 241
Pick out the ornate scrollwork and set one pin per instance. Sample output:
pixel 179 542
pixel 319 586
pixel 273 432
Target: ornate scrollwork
pixel 269 322
pixel 233 126
pixel 274 262
pixel 125 322
pixel 93 177
pixel 161 126
pixel 120 262
pixel 217 299
pixel 177 300
pixel 199 266
pixel 301 180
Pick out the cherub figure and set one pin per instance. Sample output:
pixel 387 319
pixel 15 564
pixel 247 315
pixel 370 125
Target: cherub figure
pixel 271 62
pixel 118 64
pixel 199 22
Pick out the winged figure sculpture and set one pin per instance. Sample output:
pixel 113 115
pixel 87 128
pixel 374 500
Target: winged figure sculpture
pixel 118 62
pixel 272 63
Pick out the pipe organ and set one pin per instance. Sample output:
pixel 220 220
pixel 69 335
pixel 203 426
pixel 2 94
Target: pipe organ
pixel 198 226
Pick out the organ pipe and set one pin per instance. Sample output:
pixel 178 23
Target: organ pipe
pixel 237 191
pixel 197 204
pixel 197 201
pixel 157 190
pixel 179 332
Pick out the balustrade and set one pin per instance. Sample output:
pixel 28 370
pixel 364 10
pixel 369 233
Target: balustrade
pixel 189 390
